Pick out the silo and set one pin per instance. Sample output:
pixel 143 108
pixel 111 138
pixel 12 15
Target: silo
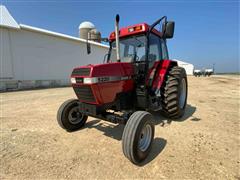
pixel 95 35
pixel 84 28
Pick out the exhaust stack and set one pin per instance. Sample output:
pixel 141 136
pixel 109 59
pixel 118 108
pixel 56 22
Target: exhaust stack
pixel 117 37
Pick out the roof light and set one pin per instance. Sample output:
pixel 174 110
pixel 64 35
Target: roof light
pixel 130 29
pixel 136 28
pixel 112 35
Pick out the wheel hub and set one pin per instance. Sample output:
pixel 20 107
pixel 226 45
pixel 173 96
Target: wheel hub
pixel 183 93
pixel 75 116
pixel 145 138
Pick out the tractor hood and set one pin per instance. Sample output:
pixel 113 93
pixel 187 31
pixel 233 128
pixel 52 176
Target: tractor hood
pixel 102 83
pixel 109 70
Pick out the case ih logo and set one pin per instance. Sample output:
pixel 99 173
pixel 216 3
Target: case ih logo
pixel 79 80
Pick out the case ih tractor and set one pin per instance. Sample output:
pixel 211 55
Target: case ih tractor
pixel 136 79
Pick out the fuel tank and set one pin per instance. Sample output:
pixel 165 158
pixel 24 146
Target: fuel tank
pixel 101 83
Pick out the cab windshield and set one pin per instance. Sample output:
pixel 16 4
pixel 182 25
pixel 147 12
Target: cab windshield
pixel 132 49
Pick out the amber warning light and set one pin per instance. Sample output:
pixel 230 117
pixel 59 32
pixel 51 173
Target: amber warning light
pixel 136 28
pixel 113 35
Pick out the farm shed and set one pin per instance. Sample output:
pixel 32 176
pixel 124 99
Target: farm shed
pixel 33 57
pixel 187 66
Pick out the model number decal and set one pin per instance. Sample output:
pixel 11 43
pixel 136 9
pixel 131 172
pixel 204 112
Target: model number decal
pixel 103 79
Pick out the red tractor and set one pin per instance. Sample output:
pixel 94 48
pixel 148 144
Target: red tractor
pixel 137 78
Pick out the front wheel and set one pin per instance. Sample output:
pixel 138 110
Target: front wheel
pixel 69 117
pixel 138 136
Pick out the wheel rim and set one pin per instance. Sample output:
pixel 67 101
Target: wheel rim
pixel 145 138
pixel 183 93
pixel 75 116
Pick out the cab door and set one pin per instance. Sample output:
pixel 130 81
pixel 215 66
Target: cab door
pixel 155 50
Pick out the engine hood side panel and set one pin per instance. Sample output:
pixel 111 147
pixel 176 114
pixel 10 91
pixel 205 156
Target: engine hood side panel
pixel 113 78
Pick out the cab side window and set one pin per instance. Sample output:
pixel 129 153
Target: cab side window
pixel 164 50
pixel 154 48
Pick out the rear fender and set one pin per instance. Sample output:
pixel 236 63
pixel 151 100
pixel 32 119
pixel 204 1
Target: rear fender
pixel 158 73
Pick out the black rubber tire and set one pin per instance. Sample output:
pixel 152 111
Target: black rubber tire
pixel 132 133
pixel 63 116
pixel 171 91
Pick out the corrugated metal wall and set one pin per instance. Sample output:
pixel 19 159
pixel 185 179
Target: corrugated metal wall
pixel 6 71
pixel 32 59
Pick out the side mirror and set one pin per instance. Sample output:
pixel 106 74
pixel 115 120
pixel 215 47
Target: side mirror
pixel 168 29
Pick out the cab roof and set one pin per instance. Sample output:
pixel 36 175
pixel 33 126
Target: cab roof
pixel 134 30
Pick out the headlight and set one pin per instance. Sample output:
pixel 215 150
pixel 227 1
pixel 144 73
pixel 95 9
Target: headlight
pixel 89 80
pixel 73 80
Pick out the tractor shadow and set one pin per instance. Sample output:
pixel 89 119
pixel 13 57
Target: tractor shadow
pixel 188 115
pixel 157 147
pixel 114 131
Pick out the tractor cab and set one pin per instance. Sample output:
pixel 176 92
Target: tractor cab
pixel 137 45
pixel 144 47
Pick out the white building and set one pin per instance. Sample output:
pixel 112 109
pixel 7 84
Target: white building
pixel 187 66
pixel 34 57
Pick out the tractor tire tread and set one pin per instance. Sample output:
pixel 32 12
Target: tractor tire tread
pixel 170 93
pixel 129 134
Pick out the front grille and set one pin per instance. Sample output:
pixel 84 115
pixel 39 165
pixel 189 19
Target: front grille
pixel 84 93
pixel 81 72
pixel 79 80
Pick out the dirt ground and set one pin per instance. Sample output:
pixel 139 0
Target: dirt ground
pixel 204 144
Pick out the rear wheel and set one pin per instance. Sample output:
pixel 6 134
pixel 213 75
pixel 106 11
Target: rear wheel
pixel 69 117
pixel 138 136
pixel 174 93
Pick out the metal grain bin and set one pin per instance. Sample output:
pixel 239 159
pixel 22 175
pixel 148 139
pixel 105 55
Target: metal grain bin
pixel 84 28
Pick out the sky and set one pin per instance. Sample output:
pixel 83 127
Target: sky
pixel 206 32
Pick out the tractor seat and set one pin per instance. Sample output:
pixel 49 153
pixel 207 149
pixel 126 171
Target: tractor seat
pixel 127 59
